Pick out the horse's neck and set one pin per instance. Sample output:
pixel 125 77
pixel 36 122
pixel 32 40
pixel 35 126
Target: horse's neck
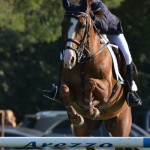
pixel 97 47
pixel 94 40
pixel 104 58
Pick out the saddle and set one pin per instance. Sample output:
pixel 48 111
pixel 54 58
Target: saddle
pixel 119 56
pixel 121 61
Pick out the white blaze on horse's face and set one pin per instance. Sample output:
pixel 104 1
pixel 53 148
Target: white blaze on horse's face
pixel 69 54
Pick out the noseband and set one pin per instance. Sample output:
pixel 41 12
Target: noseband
pixel 80 45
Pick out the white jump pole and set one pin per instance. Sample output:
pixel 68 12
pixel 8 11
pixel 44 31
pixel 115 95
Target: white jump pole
pixel 73 142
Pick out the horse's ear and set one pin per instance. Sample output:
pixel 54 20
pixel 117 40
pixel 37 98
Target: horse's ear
pixel 84 5
pixel 66 4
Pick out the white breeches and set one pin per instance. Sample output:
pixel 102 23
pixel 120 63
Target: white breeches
pixel 121 42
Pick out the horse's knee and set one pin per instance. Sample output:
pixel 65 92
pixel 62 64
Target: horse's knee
pixel 64 90
pixel 90 85
pixel 65 95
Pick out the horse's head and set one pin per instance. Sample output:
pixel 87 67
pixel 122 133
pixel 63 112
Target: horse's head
pixel 75 30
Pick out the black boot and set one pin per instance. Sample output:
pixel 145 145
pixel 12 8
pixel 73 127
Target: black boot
pixel 132 97
pixel 53 92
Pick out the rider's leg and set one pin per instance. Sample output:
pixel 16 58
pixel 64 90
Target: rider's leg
pixel 132 98
pixel 121 42
pixel 53 92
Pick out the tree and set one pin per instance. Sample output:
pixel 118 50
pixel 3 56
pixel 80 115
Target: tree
pixel 28 33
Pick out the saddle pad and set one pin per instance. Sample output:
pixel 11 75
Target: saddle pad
pixel 115 63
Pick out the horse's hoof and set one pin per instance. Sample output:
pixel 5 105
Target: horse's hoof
pixel 77 121
pixel 96 113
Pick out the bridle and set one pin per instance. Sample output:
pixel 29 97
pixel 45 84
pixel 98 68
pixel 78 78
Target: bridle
pixel 83 47
pixel 80 44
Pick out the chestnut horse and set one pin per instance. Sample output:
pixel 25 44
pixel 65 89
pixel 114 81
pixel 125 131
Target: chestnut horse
pixel 89 88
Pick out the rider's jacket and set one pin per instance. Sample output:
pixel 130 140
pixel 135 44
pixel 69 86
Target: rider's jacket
pixel 104 20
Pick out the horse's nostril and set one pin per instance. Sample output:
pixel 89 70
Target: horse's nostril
pixel 72 60
pixel 65 65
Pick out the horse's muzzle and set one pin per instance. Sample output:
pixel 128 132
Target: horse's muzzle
pixel 69 59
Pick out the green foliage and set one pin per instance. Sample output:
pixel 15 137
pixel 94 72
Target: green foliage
pixel 38 20
pixel 30 43
pixel 113 3
pixel 28 53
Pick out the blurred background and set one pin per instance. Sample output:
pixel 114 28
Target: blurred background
pixel 30 41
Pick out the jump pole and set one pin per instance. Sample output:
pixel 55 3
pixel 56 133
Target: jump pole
pixel 73 142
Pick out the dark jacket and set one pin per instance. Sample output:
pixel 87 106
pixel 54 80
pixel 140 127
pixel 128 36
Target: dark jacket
pixel 108 23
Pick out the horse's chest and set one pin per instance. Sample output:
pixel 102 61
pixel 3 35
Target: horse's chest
pixel 82 73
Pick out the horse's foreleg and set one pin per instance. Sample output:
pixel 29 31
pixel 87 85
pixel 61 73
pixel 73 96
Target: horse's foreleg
pixel 88 101
pixel 74 117
pixel 84 130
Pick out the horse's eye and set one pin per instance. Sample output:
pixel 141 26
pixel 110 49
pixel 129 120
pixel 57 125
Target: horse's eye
pixel 83 26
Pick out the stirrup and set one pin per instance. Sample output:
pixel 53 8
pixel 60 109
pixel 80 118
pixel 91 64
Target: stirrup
pixel 54 91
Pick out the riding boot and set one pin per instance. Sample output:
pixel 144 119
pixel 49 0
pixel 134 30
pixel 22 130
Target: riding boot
pixel 132 97
pixel 53 92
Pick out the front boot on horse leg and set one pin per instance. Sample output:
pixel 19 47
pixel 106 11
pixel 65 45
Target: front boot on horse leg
pixel 132 97
pixel 53 92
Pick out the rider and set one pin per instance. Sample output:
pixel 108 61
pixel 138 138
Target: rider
pixel 110 25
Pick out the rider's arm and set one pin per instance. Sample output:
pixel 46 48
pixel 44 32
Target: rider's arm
pixel 98 9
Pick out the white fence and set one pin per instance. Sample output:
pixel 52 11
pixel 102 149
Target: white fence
pixel 73 142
